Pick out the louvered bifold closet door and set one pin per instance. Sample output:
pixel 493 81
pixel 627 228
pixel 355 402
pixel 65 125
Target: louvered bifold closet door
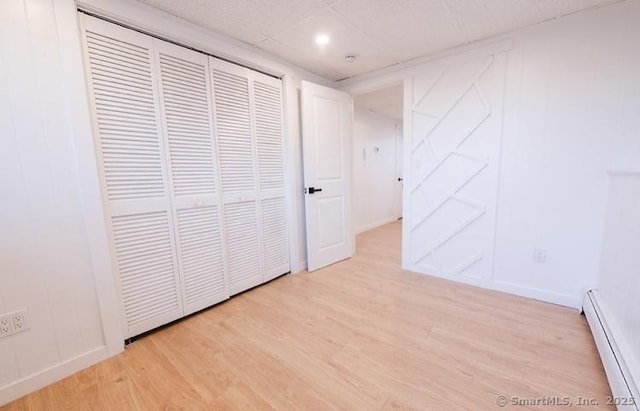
pixel 236 152
pixel 269 134
pixel 120 69
pixel 188 119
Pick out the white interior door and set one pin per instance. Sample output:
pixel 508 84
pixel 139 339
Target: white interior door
pixel 327 128
pixel 131 155
pixel 269 137
pixel 187 115
pixel 236 151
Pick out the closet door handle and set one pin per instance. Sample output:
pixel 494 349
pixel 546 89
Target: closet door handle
pixel 312 190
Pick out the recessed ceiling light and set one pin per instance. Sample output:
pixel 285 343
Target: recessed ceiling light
pixel 322 39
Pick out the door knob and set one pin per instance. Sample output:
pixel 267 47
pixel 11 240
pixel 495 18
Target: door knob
pixel 312 190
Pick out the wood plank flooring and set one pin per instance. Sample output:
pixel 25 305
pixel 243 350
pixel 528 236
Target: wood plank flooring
pixel 359 335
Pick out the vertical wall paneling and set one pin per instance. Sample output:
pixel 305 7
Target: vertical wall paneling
pixel 618 281
pixel 45 261
pixel 65 291
pixel 187 115
pixel 9 163
pixel 34 197
pixel 131 152
pixel 236 151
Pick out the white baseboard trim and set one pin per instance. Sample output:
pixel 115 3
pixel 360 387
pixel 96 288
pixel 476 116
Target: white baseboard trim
pixel 619 372
pixel 509 288
pixel 566 300
pixel 375 224
pixel 295 269
pixel 41 379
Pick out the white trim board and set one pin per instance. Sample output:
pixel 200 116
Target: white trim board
pixel 52 374
pixel 624 172
pixel 399 72
pixel 375 224
pixel 300 267
pixel 621 374
pixel 510 288
pixel 566 300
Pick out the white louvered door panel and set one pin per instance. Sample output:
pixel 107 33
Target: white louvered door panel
pixel 236 152
pixel 267 104
pixel 233 124
pixel 243 247
pixel 123 93
pixel 267 93
pixel 275 237
pixel 187 115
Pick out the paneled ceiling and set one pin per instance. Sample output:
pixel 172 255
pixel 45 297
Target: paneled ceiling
pixel 379 33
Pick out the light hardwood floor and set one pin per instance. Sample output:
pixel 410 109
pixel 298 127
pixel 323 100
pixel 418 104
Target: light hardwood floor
pixel 359 335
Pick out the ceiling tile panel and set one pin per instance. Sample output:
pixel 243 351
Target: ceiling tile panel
pixel 307 58
pixel 483 18
pixel 554 8
pixel 248 20
pixel 378 32
pixel 344 40
pixel 407 28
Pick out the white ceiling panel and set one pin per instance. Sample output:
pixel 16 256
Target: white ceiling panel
pixel 481 19
pixel 255 19
pixel 344 40
pixel 228 21
pixel 408 28
pixel 378 32
pixel 309 59
pixel 554 8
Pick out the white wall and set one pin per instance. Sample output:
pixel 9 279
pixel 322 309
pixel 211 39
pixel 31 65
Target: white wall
pixel 619 280
pixel 46 256
pixel 375 179
pixel 571 104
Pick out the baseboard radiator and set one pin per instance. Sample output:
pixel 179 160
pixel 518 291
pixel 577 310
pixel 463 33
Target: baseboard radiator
pixel 620 374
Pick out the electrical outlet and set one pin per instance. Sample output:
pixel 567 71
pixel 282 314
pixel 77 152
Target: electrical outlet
pixel 13 323
pixel 539 255
pixel 19 320
pixel 6 326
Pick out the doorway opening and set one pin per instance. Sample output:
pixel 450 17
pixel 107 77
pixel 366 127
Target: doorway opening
pixel 377 157
pixel 353 160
